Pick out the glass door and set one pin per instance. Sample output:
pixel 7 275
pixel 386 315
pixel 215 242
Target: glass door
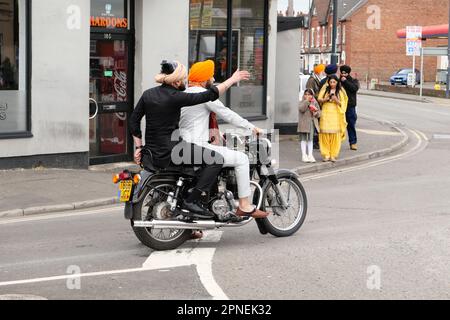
pixel 110 98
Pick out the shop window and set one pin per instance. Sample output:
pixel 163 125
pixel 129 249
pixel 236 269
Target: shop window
pixel 14 78
pixel 211 24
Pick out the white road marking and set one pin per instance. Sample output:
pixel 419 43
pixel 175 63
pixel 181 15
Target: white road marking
pixel 379 133
pixel 61 215
pixel 202 258
pixel 441 136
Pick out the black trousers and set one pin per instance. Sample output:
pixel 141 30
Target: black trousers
pixel 352 117
pixel 211 163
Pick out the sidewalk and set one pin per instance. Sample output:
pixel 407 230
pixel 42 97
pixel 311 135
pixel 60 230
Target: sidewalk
pixel 28 192
pixel 375 139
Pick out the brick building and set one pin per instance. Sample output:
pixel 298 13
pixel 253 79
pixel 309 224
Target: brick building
pixel 367 38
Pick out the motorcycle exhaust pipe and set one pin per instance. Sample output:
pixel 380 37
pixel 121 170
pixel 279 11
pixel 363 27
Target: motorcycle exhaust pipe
pixel 196 225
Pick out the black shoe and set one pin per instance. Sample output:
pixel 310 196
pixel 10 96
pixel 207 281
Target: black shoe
pixel 197 210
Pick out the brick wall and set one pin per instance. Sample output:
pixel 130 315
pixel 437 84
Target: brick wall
pixel 378 53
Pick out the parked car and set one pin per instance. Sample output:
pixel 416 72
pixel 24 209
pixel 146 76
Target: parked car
pixel 401 76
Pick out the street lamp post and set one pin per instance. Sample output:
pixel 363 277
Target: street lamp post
pixel 334 58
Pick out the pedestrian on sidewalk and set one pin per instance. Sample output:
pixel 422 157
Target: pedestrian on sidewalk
pixel 315 79
pixel 330 70
pixel 333 125
pixel 314 83
pixel 309 112
pixel 352 87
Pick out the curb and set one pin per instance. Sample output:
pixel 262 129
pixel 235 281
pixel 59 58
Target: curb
pixel 58 208
pixel 359 158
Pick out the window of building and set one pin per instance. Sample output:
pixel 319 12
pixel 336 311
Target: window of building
pixel 324 36
pixel 331 35
pixel 211 23
pixel 302 38
pixel 307 38
pixel 110 14
pixel 313 43
pixel 14 78
pixel 318 38
pixel 338 35
pixel 343 34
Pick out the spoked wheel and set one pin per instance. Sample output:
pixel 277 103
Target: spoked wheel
pixel 154 206
pixel 285 221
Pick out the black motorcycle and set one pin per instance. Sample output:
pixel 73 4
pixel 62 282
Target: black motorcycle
pixel 153 199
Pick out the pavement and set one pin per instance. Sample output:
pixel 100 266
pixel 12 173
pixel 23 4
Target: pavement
pixel 30 192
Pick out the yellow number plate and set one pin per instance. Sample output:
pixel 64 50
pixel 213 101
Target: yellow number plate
pixel 125 190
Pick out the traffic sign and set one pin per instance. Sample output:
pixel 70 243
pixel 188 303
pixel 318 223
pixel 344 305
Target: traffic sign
pixel 413 40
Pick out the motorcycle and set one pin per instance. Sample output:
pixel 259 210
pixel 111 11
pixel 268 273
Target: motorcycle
pixel 153 199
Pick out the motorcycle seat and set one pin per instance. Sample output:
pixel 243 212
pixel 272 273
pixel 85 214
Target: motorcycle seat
pixel 148 163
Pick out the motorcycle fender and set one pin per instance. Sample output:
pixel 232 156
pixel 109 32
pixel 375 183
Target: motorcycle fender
pixel 128 211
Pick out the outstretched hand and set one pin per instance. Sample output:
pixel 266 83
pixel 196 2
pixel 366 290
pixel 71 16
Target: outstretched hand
pixel 240 76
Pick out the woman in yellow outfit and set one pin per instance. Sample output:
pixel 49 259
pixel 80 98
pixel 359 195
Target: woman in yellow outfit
pixel 333 125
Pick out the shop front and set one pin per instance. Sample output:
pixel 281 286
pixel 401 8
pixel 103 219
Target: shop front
pixel 72 70
pixel 111 70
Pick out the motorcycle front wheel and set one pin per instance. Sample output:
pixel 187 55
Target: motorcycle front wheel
pixel 282 221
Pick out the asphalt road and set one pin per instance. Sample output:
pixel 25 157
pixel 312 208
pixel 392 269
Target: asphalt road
pixel 379 230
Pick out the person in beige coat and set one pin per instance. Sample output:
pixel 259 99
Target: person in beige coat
pixel 309 112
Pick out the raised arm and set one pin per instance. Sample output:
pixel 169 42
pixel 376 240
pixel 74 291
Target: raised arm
pixel 228 115
pixel 191 99
pixel 238 76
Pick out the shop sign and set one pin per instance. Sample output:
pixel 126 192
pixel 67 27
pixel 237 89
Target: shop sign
pixel 109 15
pixel 106 22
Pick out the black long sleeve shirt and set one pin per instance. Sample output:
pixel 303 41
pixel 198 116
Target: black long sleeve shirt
pixel 352 87
pixel 161 107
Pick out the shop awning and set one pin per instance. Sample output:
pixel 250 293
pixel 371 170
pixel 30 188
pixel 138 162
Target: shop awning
pixel 430 32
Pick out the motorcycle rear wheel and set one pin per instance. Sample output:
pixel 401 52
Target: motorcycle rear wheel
pixel 157 239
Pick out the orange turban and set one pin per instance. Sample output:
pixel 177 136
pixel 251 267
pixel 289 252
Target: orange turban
pixel 202 71
pixel 319 69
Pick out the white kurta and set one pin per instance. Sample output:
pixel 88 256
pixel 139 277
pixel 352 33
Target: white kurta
pixel 194 128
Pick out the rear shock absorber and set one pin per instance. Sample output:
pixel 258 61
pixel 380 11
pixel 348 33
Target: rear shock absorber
pixel 173 197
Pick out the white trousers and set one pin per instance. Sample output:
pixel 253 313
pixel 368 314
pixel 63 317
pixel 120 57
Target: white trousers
pixel 241 164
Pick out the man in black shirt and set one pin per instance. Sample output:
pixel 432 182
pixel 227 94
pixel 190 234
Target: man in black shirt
pixel 351 85
pixel 161 107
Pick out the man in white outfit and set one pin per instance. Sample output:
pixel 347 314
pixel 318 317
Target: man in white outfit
pixel 194 128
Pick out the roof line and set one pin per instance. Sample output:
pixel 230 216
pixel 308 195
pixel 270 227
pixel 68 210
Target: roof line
pixel 353 10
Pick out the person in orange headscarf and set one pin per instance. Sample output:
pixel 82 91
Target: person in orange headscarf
pixel 195 128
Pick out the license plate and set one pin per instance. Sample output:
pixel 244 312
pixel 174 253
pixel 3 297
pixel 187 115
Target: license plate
pixel 125 190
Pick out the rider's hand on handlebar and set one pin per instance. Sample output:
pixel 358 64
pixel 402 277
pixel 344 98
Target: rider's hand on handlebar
pixel 258 131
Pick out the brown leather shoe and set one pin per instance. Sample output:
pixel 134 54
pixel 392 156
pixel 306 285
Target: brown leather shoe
pixel 256 214
pixel 197 235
